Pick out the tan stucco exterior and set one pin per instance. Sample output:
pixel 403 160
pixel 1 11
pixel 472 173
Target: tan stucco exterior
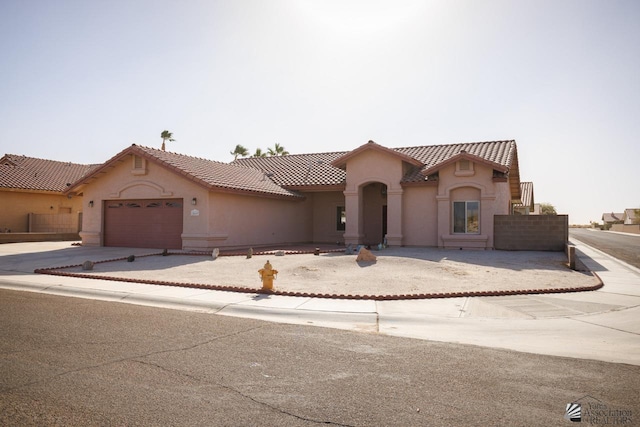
pixel 478 185
pixel 417 213
pixel 363 202
pixel 217 219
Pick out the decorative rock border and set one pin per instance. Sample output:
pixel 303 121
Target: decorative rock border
pixel 55 271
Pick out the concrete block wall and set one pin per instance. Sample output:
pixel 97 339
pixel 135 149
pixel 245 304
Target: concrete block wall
pixel 530 232
pixel 626 228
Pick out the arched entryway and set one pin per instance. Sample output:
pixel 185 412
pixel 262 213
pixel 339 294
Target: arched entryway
pixel 374 212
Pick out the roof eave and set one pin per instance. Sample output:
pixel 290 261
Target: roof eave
pixel 243 192
pixel 33 190
pixel 316 188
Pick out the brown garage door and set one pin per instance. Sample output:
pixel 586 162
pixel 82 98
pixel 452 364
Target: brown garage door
pixel 143 223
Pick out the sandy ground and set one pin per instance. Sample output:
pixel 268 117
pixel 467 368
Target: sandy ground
pixel 396 271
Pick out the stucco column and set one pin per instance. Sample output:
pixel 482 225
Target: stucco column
pixel 353 211
pixel 444 221
pixel 394 217
pixel 487 206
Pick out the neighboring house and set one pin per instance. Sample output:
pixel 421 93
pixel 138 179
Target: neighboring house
pixel 537 209
pixel 31 186
pixel 612 218
pixel 444 196
pixel 630 216
pixel 528 206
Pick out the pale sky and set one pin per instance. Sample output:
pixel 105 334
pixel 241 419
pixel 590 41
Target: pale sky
pixel 82 80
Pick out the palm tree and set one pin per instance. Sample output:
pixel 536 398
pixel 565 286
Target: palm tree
pixel 166 136
pixel 259 153
pixel 278 150
pixel 239 151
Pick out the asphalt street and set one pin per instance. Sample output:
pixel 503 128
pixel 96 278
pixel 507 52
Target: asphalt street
pixel 72 361
pixel 625 247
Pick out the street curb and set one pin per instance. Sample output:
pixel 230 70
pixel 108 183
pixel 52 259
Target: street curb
pixel 612 258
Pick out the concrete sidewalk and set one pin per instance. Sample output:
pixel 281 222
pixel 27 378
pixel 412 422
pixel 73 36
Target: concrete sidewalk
pixel 601 325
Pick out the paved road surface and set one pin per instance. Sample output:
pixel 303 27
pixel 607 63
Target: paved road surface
pixel 624 247
pixel 70 361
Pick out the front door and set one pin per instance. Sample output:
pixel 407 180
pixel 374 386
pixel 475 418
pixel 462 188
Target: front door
pixel 384 221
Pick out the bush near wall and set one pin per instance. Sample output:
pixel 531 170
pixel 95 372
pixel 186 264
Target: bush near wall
pixel 530 232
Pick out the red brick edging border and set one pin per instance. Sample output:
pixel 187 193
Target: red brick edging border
pixel 55 271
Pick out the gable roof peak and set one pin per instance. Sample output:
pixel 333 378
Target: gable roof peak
pixel 341 162
pixel 210 174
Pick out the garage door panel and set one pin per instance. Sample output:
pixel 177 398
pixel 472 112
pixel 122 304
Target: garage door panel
pixel 143 223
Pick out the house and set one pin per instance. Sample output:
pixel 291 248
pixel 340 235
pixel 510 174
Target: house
pixel 631 216
pixel 528 206
pixel 32 194
pixel 440 195
pixel 608 219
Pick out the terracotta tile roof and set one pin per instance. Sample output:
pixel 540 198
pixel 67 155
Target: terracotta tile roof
pixel 612 217
pixel 298 170
pixel 499 152
pixel 281 176
pixel 220 175
pixel 303 170
pixel 526 191
pixel 495 151
pixel 208 173
pixel 32 174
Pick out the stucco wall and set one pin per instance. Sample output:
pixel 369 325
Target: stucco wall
pixel 239 221
pixel 15 207
pixel 494 199
pixel 368 167
pixel 420 216
pixel 626 228
pixel 54 223
pixel 217 219
pixel 324 216
pixel 158 183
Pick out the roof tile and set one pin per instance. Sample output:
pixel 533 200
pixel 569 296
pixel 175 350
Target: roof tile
pixel 304 170
pixel 218 174
pixel 526 192
pixel 29 173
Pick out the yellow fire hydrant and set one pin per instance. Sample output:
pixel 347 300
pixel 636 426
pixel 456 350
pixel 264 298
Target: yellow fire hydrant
pixel 267 274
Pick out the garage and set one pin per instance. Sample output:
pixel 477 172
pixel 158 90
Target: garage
pixel 143 223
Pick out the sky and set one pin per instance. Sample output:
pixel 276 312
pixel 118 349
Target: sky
pixel 82 80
